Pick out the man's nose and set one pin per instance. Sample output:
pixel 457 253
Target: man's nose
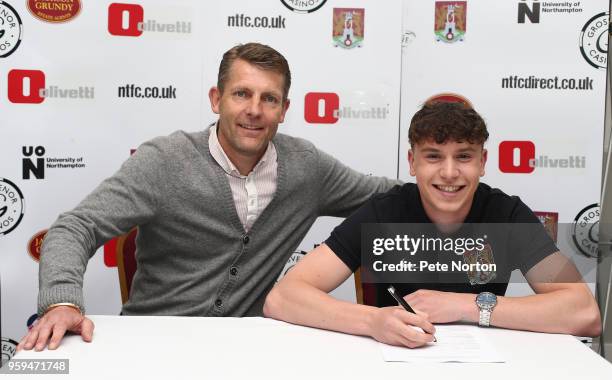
pixel 254 107
pixel 449 169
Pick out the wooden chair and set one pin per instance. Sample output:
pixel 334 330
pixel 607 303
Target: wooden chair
pixel 126 262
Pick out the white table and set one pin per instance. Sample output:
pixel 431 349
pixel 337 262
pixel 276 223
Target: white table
pixel 173 348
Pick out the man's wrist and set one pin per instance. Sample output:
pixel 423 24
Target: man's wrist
pixel 67 304
pixel 471 312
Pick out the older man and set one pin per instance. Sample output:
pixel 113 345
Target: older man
pixel 218 211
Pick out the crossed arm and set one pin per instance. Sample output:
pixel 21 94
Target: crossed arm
pixel 301 298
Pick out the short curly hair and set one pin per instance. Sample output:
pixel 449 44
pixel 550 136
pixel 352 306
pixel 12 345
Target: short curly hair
pixel 447 121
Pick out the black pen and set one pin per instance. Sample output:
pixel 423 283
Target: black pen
pixel 402 302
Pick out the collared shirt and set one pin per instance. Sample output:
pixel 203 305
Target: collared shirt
pixel 252 193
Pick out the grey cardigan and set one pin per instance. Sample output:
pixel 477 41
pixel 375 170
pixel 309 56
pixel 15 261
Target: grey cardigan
pixel 189 234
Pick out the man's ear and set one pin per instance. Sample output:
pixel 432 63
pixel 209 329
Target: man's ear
pixel 215 98
pixel 284 111
pixel 411 162
pixel 483 161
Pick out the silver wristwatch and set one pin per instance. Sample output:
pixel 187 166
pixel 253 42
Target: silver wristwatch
pixel 485 301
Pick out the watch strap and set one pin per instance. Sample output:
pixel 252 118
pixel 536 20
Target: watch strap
pixel 485 317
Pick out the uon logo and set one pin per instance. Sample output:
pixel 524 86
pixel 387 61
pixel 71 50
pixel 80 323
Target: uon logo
pixel 516 156
pixel 33 167
pixel 533 13
pixel 26 86
pixel 321 107
pixel 124 19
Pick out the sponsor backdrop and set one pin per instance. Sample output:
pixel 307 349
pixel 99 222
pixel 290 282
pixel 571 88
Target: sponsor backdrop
pixel 83 83
pixel 536 72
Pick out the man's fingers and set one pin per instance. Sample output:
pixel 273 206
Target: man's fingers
pixel 87 328
pixel 58 333
pixel 23 341
pixel 43 337
pixel 423 314
pixel 30 339
pixel 411 343
pixel 418 321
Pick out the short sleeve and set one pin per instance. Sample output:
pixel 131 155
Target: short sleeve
pixel 345 239
pixel 531 243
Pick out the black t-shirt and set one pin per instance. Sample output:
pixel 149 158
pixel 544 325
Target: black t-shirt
pixel 402 204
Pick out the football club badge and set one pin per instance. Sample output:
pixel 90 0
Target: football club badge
pixel 550 221
pixel 477 259
pixel 450 22
pixel 348 26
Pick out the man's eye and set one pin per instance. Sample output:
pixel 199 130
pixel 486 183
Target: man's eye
pixel 464 157
pixel 240 93
pixel 271 99
pixel 432 156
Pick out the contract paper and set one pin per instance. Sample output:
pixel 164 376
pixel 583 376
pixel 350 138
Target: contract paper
pixel 460 344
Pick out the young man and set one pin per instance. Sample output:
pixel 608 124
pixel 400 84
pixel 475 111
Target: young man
pixel 447 157
pixel 218 211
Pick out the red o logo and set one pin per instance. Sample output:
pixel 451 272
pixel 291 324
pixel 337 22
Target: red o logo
pixel 26 86
pixel 123 19
pixel 321 107
pixel 516 156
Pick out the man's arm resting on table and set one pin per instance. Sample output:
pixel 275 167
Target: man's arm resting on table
pixel 301 297
pixel 562 304
pixel 126 199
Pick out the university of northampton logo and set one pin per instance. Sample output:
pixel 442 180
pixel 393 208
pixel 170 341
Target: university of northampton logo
pixel 54 11
pixel 450 22
pixel 481 257
pixel 348 27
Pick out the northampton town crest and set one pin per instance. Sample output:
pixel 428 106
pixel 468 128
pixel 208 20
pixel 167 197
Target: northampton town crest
pixel 450 22
pixel 477 259
pixel 348 26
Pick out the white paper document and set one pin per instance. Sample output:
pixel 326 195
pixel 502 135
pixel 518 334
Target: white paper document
pixel 457 343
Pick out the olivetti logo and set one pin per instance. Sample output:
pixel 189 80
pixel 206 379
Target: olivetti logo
pixel 325 108
pixel 128 20
pixel 520 157
pixel 123 19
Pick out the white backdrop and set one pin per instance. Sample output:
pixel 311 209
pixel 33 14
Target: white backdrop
pixel 372 80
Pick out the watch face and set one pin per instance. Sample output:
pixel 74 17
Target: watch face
pixel 486 299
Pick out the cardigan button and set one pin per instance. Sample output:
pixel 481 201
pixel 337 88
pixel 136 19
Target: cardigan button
pixel 234 271
pixel 218 302
pixel 245 239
